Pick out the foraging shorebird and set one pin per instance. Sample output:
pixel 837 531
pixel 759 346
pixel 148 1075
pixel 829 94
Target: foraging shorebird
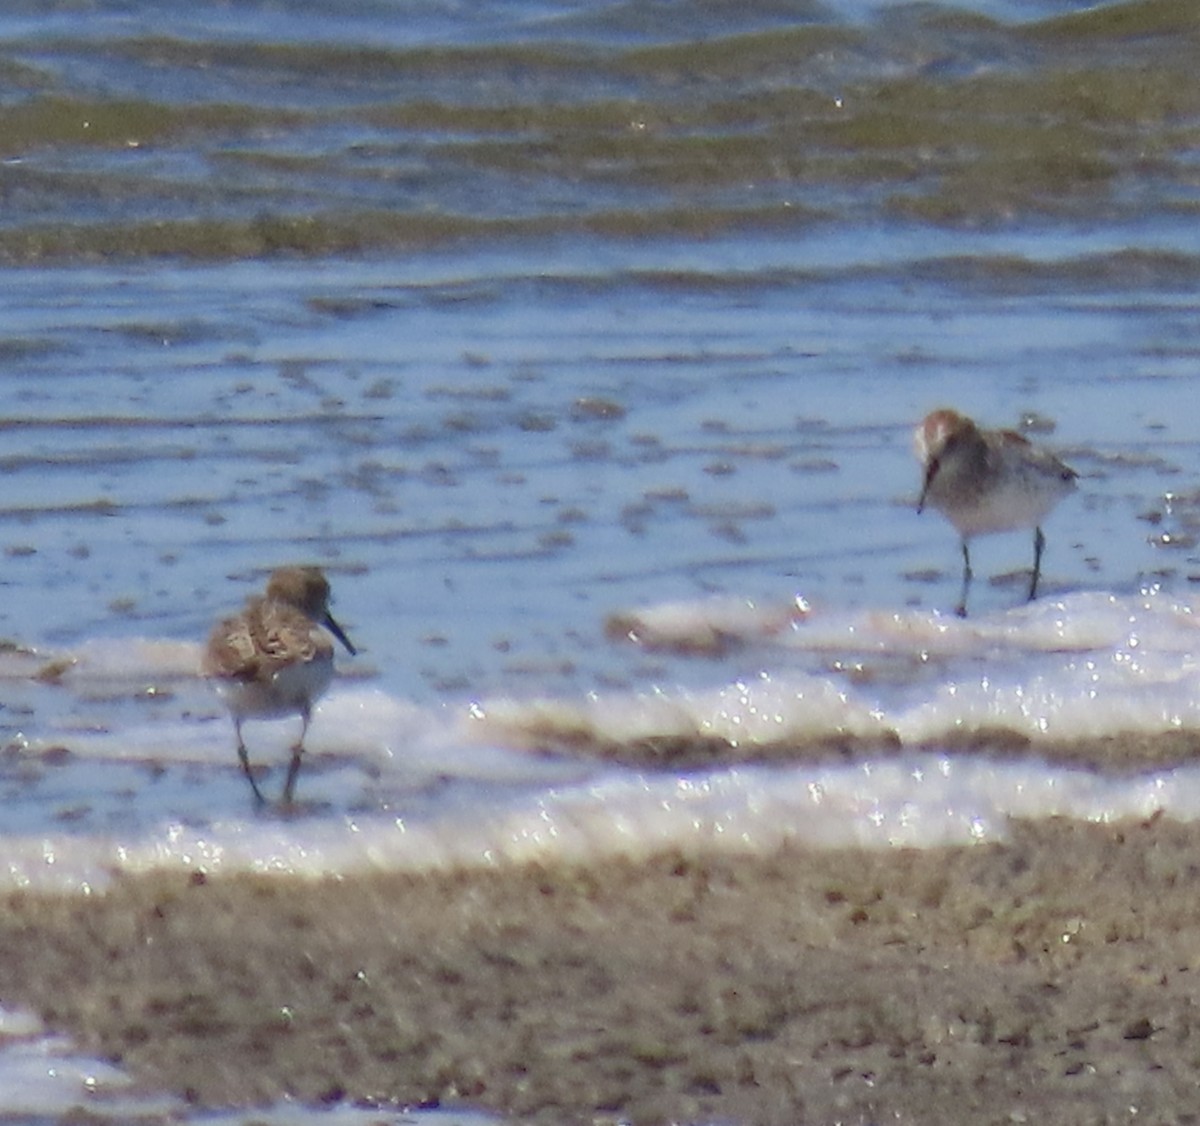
pixel 986 481
pixel 275 658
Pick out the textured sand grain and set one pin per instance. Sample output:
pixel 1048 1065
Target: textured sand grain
pixel 1054 977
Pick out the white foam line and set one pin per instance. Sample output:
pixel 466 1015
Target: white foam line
pixel 910 801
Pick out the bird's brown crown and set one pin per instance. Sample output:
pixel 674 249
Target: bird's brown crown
pixel 305 588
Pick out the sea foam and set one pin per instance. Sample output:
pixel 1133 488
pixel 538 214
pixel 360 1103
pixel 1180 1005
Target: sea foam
pixel 823 728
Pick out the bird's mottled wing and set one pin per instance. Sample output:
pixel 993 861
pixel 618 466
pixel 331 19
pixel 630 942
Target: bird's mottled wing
pixel 231 652
pixel 285 636
pixel 266 636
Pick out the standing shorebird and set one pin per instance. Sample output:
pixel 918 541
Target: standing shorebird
pixel 275 658
pixel 986 481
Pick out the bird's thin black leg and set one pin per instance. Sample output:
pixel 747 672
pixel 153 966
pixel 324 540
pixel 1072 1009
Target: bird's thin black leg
pixel 1039 544
pixel 961 609
pixel 289 786
pixel 244 759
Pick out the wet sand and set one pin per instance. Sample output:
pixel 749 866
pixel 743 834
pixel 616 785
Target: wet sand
pixel 1054 978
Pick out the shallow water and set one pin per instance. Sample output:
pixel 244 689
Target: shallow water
pixel 534 322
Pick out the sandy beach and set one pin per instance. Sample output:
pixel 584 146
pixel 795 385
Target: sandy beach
pixel 1049 979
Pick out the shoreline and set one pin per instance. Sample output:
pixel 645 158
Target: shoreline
pixel 1052 975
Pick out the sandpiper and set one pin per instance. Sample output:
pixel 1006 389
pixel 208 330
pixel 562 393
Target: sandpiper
pixel 275 658
pixel 986 481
